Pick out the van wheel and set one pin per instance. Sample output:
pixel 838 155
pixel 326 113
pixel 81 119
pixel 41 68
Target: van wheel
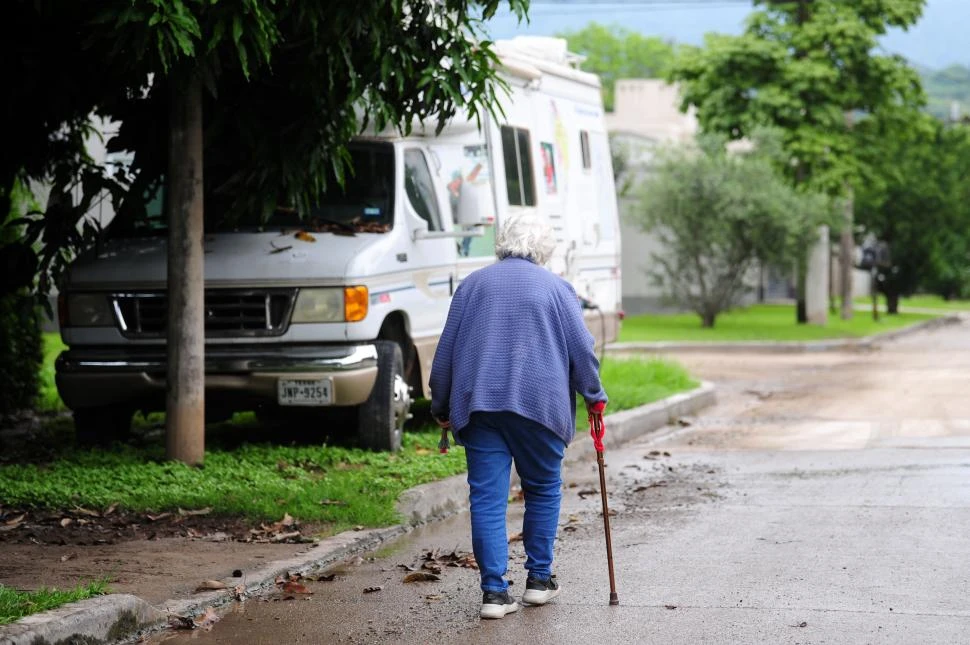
pixel 380 420
pixel 103 425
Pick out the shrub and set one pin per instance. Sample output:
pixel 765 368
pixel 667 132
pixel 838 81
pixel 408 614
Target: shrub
pixel 20 352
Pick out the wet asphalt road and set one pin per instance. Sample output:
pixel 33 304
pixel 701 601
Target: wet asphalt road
pixel 825 499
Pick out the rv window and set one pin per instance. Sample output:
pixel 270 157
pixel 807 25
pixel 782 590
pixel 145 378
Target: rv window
pixel 420 188
pixel 584 149
pixel 517 153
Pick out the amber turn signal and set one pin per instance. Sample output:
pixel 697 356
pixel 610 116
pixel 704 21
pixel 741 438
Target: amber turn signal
pixel 355 303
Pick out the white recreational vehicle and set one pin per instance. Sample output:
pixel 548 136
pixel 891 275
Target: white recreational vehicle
pixel 343 307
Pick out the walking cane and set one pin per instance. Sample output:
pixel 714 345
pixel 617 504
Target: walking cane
pixel 598 429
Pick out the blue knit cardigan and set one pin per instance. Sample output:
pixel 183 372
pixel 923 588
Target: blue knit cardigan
pixel 515 341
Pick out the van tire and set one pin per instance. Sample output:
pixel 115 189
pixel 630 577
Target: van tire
pixel 102 425
pixel 380 419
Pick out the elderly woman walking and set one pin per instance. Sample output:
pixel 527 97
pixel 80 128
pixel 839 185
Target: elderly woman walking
pixel 513 354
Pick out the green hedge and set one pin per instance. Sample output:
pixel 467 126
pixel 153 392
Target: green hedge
pixel 20 352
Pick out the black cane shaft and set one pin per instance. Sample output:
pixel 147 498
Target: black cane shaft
pixel 614 599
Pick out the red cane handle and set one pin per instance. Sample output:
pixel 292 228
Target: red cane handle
pixel 597 430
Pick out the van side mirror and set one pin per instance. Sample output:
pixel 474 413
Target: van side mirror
pixel 475 206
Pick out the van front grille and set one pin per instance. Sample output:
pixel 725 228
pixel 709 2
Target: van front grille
pixel 228 312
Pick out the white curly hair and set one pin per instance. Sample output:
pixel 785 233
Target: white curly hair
pixel 527 236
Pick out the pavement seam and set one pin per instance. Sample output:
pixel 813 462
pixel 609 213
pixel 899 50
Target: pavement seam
pixel 121 617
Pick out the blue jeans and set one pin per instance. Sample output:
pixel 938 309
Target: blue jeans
pixel 493 440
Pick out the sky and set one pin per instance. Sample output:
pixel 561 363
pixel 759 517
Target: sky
pixel 939 39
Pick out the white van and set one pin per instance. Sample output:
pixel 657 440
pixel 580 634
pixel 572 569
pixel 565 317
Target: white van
pixel 344 307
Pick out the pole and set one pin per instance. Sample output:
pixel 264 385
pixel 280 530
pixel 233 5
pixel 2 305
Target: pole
pixel 846 243
pixel 185 400
pixel 875 293
pixel 614 599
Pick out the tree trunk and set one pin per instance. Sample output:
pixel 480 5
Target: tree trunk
pixel 185 406
pixel 707 319
pixel 846 248
pixel 892 303
pixel 801 274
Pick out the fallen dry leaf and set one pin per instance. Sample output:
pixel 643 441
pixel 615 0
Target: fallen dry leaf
pixel 573 519
pixel 208 618
pixel 66 522
pixel 332 502
pixel 373 589
pixel 210 585
pixel 431 566
pixel 303 236
pixel 295 587
pixel 421 576
pixel 181 622
pixel 86 511
pixel 433 596
pixel 586 492
pixel 201 511
pixel 239 592
pixel 13 522
pixel 111 509
pixel 330 577
pixel 801 624
pixel 68 556
pixel 515 537
pixel 670 606
pixel 285 536
pixel 160 516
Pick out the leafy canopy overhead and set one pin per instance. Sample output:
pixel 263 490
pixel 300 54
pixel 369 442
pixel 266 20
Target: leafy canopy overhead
pixel 801 67
pixel 613 53
pixel 289 83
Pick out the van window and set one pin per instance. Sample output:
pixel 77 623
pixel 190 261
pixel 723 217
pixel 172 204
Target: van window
pixel 420 188
pixel 517 153
pixel 584 149
pixel 363 203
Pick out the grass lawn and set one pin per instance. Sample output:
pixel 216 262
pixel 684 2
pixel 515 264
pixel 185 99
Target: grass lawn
pixel 757 322
pixel 921 301
pixel 259 474
pixel 14 605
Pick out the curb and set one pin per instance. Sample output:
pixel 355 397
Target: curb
pixel 117 617
pixel 783 346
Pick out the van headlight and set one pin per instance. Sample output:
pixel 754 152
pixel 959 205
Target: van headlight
pixel 333 304
pixel 89 310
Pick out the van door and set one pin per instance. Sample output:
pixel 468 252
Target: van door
pixel 431 261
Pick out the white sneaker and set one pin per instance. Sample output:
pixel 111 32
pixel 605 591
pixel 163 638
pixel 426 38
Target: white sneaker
pixel 539 592
pixel 495 604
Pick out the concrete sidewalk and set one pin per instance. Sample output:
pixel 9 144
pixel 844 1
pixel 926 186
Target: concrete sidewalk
pixel 119 616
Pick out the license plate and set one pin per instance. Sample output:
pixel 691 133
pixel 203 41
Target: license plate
pixel 305 391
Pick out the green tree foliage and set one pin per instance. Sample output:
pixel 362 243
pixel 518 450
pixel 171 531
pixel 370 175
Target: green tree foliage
pixel 947 86
pixel 20 337
pixel 800 66
pixel 288 84
pixel 613 53
pixel 917 199
pixel 717 214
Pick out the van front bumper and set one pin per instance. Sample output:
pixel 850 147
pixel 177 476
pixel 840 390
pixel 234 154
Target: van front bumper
pixel 238 376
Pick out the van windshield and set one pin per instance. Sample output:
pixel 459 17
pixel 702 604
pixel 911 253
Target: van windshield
pixel 363 204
